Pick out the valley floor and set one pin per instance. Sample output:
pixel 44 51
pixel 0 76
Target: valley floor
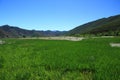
pixel 54 59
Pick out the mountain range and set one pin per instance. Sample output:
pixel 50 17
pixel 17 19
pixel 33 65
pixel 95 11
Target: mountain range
pixel 103 27
pixel 7 31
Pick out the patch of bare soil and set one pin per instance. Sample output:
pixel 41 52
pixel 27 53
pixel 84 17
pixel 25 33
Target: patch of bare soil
pixel 63 38
pixel 2 42
pixel 115 44
pixel 59 38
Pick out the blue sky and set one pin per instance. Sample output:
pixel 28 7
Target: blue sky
pixel 55 14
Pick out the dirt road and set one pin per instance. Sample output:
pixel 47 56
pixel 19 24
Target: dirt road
pixel 59 38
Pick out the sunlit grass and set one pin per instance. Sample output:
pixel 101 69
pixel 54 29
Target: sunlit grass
pixel 89 59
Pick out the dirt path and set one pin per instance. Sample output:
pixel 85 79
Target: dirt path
pixel 59 38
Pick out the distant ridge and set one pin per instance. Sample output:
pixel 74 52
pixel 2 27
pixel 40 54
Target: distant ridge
pixel 7 31
pixel 102 27
pixel 105 26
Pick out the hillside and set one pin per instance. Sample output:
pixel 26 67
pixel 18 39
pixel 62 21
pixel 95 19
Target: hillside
pixel 14 32
pixel 7 31
pixel 104 26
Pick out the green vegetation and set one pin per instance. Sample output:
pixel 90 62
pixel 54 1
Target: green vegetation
pixel 34 59
pixel 102 27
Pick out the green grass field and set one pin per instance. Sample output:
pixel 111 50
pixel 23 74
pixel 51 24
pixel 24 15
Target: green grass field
pixel 34 59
